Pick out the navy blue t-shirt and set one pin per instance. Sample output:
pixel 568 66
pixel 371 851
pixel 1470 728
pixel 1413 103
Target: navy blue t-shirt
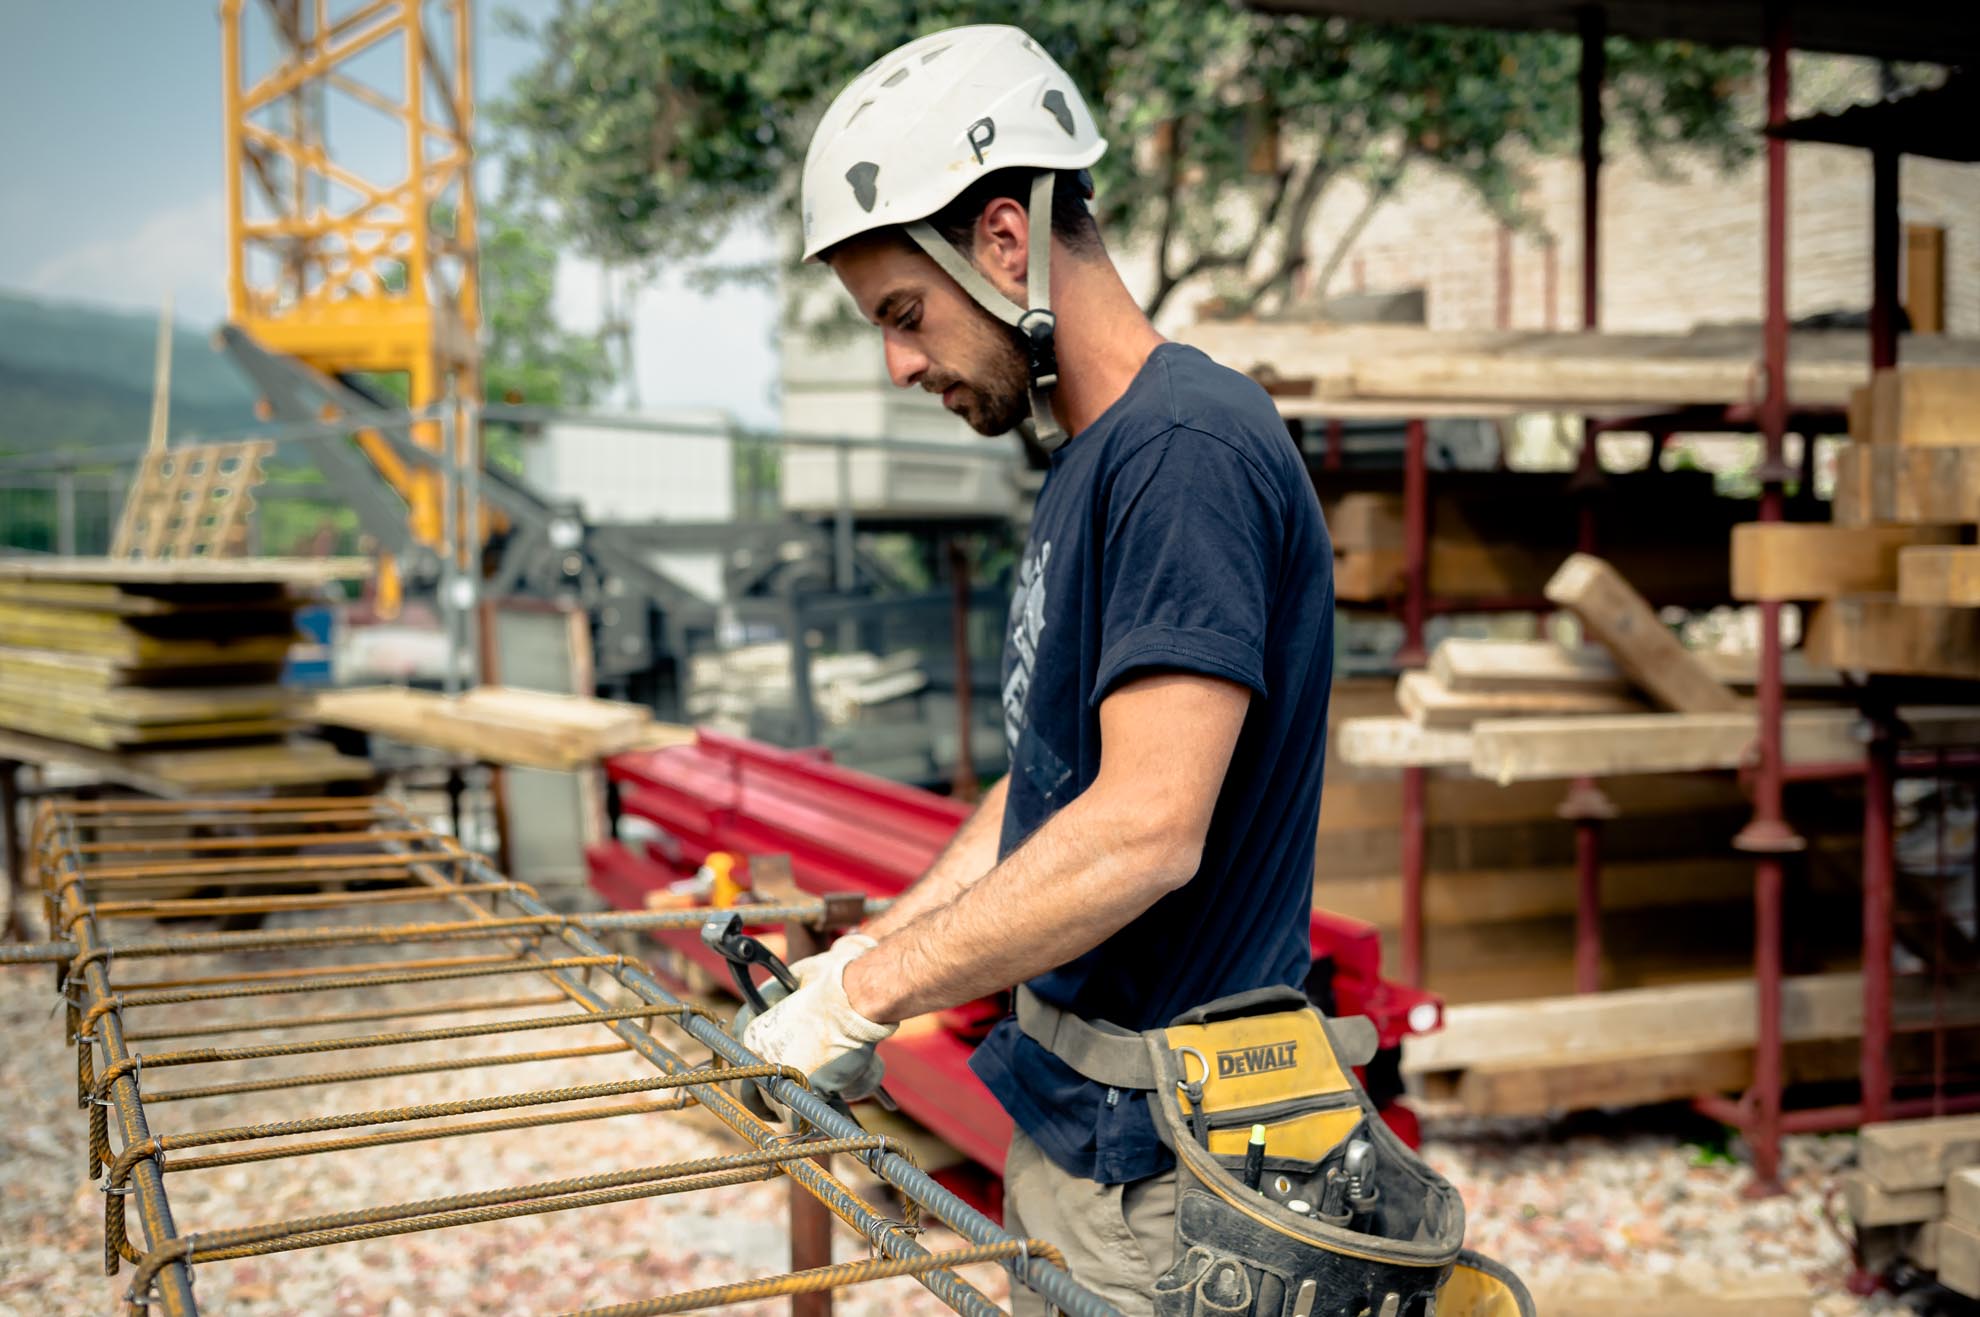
pixel 1179 532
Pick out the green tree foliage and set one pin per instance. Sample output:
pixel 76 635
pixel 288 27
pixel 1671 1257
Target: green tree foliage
pixel 528 356
pixel 651 124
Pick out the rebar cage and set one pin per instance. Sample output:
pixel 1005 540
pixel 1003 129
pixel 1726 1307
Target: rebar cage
pixel 142 1005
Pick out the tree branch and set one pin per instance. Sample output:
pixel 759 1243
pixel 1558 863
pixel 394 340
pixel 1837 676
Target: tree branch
pixel 1378 192
pixel 1292 253
pixel 1165 282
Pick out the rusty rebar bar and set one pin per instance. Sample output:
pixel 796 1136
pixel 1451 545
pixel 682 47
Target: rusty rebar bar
pixel 377 837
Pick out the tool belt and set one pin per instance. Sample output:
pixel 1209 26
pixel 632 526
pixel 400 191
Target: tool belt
pixel 1346 1221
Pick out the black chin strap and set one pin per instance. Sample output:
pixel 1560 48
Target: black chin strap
pixel 1035 323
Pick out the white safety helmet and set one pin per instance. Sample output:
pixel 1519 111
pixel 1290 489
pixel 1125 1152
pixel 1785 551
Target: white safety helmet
pixel 919 127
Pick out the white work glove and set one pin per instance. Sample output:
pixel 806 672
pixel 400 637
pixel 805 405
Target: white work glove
pixel 816 1030
pixel 847 949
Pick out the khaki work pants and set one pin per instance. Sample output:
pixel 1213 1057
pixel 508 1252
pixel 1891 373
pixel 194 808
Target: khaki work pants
pixel 1117 1238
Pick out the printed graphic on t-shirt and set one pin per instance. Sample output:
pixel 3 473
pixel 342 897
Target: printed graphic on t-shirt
pixel 1026 629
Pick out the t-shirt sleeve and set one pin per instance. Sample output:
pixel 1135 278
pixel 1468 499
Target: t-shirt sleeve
pixel 1189 564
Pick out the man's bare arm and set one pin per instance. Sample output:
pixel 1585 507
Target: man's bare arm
pixel 970 854
pixel 1134 835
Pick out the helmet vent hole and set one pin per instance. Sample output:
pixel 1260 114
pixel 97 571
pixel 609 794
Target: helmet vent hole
pixel 864 106
pixel 933 55
pixel 897 77
pixel 1055 105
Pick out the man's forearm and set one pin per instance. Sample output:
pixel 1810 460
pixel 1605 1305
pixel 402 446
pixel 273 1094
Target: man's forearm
pixel 1079 880
pixel 970 854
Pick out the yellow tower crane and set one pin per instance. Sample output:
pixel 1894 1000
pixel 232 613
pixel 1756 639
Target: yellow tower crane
pixel 348 257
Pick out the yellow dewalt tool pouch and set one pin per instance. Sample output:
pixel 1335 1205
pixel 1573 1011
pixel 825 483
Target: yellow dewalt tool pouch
pixel 1346 1220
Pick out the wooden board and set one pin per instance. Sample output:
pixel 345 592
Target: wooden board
pixel 1870 1204
pixel 155 601
pixel 1851 504
pixel 1878 633
pixel 192 571
pixel 1926 405
pixel 1348 805
pixel 1428 703
pixel 1918 1154
pixel 1782 560
pixel 1483 896
pixel 98 635
pixel 1399 743
pixel 1959 1258
pixel 1537 666
pixel 1529 749
pixel 1626 1078
pixel 1693 1292
pixel 1700 1017
pixel 530 729
pixel 1575 371
pixel 1641 645
pixel 1939 577
pixel 79 673
pixel 1963 1196
pixel 183 774
pixel 1932 484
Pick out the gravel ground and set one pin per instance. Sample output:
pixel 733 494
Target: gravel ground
pixel 1550 1200
pixel 1556 1200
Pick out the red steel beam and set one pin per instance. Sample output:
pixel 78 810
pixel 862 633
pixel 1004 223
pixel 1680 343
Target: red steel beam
pixel 846 831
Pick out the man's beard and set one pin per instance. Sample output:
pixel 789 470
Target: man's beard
pixel 1000 396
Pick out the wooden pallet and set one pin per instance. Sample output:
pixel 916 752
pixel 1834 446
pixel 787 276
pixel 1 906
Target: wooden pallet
pixel 191 502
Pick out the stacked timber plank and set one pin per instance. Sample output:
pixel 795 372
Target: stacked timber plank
pixel 1316 368
pixel 1916 1192
pixel 1698 722
pixel 116 654
pixel 1656 1044
pixel 500 724
pixel 1897 582
pixel 1503 539
pixel 1499 894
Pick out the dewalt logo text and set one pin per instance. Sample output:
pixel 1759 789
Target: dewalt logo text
pixel 1256 1060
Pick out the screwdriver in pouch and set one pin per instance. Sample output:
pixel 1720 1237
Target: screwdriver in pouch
pixel 1254 1158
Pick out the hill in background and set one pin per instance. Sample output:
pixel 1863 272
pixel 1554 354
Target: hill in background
pixel 74 376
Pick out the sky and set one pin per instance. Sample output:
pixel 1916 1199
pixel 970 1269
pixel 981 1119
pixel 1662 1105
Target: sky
pixel 111 146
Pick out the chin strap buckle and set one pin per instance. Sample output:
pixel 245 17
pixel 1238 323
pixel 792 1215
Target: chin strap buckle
pixel 1038 327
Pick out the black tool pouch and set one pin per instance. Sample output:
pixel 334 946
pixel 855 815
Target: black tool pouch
pixel 1313 1240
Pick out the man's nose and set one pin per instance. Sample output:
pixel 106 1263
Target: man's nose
pixel 904 364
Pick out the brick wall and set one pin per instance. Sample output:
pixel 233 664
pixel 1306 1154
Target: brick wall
pixel 1681 245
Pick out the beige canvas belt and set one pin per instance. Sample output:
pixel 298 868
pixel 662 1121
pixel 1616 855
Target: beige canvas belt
pixel 1108 1054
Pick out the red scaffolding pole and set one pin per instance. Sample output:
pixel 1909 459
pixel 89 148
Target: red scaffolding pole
pixel 1768 837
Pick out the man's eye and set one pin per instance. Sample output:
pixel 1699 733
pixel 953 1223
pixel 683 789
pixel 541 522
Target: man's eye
pixel 909 321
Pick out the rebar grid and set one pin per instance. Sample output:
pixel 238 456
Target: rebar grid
pixel 107 865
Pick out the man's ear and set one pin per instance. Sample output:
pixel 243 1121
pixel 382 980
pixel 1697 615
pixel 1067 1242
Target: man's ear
pixel 1003 236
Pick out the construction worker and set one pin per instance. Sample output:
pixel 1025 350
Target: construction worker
pixel 1168 658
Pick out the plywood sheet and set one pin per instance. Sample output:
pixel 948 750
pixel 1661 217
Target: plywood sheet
pixel 201 571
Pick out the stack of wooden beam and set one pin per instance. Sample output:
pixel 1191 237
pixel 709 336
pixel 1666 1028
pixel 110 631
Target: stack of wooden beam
pixel 111 653
pixel 501 724
pixel 1499 891
pixel 1502 538
pixel 1916 1193
pixel 1898 587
